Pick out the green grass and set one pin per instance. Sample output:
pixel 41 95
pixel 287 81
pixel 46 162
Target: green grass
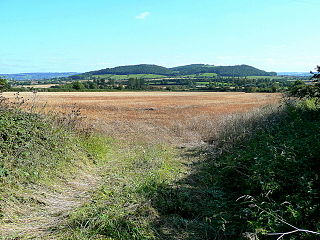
pixel 208 75
pixel 202 83
pixel 29 144
pixel 38 152
pixel 121 208
pixel 267 77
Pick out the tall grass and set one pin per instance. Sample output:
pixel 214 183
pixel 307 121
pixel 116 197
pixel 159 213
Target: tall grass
pixel 270 154
pixel 42 162
pixel 121 207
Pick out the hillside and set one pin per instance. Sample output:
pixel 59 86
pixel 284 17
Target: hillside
pixel 234 71
pixel 135 69
pixel 238 70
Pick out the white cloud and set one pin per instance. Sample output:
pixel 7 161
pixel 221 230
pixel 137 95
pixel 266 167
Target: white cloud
pixel 143 15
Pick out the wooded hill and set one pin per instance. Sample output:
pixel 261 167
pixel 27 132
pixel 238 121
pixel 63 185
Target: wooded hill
pixel 230 71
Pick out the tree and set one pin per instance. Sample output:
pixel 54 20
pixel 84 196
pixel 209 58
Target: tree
pixel 316 76
pixel 77 85
pixel 4 84
pixel 301 90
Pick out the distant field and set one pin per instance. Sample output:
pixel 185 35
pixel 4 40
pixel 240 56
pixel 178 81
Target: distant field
pixel 267 77
pixel 38 85
pixel 152 106
pixel 132 112
pixel 208 75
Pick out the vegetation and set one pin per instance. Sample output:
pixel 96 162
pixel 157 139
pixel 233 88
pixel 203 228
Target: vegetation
pixel 4 85
pixel 135 69
pixel 258 175
pixel 232 71
pixel 39 157
pixel 262 170
pixel 200 82
pixel 121 208
pixel 301 90
pixel 186 71
pixel 192 77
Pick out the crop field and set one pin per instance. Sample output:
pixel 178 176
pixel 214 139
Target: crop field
pixel 157 107
pixel 122 113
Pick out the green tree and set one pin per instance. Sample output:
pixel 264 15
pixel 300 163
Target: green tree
pixel 301 90
pixel 77 85
pixel 4 84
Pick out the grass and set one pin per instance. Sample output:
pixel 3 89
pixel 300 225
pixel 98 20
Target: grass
pixel 267 77
pixel 121 208
pixel 39 159
pixel 208 75
pixel 136 189
pixel 272 157
pixel 150 193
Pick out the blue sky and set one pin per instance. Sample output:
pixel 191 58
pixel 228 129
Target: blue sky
pixel 83 35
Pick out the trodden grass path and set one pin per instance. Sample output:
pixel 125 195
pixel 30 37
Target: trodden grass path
pixel 41 220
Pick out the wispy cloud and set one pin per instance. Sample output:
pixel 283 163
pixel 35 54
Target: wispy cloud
pixel 143 15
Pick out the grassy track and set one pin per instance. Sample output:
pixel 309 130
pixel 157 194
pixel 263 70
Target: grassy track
pixel 122 207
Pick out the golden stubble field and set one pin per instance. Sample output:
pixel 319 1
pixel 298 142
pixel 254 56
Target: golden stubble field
pixel 149 113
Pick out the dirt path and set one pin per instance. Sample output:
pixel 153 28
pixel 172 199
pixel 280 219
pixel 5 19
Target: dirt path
pixel 41 220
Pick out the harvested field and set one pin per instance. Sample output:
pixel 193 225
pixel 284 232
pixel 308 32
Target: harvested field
pixel 122 113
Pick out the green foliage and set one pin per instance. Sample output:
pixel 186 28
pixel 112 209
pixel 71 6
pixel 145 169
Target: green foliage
pixel 134 83
pixel 146 71
pixel 135 69
pixel 301 90
pixel 235 71
pixel 277 163
pixel 29 144
pixel 77 85
pixel 4 85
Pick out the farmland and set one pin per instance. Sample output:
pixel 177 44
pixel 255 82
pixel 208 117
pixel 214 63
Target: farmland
pixel 150 165
pixel 122 112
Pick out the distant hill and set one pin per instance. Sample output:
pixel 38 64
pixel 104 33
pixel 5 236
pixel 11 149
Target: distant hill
pixel 295 74
pixel 235 71
pixel 238 70
pixel 135 69
pixel 36 76
pixel 151 69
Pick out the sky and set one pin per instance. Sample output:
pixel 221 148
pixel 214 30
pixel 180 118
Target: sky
pixel 84 35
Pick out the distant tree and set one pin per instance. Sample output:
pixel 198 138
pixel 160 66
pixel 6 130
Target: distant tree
pixel 136 83
pixel 77 85
pixel 111 82
pixel 301 90
pixel 316 76
pixel 275 87
pixel 4 84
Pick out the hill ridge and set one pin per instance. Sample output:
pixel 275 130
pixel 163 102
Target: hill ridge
pixel 242 70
